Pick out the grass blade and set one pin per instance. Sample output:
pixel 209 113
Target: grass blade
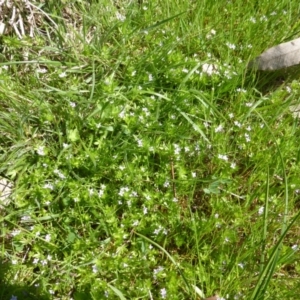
pixel 168 255
pixel 117 292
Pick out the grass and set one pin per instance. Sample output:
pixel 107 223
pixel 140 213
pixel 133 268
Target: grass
pixel 146 163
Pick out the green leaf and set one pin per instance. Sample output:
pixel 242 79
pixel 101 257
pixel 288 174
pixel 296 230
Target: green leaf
pixel 71 237
pixel 73 135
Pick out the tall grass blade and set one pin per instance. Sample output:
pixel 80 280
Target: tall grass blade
pixel 162 22
pixel 268 270
pixel 117 292
pixel 195 126
pixel 267 273
pixel 265 220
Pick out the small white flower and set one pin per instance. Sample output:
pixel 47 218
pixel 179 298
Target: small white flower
pixel 223 157
pixel 122 114
pixel 95 269
pixel 163 293
pixel 48 237
pixel 158 270
pixel 62 75
pixel 120 17
pixel 123 190
pixel 167 184
pixel 14 261
pixel 230 46
pixel 249 104
pixel 35 261
pixel 15 232
pixel 145 210
pixel 218 225
pixel 49 257
pixel 48 186
pixel 187 149
pixel 44 262
pixel 231 115
pixel 237 123
pixel 263 18
pixel 233 165
pixel 140 143
pixel 41 150
pixel 241 265
pixel 150 77
pixel 247 137
pixel 101 193
pixel 73 104
pixel 177 149
pixel 295 247
pixel 59 174
pixel 133 194
pixel 209 69
pixel 253 20
pixel 289 90
pixel 42 70
pixel 175 199
pixel 184 70
pixel 135 223
pixel 210 34
pixel 194 174
pixel 219 128
pixel 157 231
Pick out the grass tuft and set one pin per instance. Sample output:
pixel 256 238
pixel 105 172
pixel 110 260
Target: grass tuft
pixel 140 159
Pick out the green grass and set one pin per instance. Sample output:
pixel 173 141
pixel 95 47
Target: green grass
pixel 138 175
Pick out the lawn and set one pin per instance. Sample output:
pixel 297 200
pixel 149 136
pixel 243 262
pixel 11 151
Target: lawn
pixel 141 158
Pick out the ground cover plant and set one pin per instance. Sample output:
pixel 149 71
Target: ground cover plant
pixel 141 159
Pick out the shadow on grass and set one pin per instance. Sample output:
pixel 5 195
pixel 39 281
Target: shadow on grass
pixel 268 81
pixel 21 291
